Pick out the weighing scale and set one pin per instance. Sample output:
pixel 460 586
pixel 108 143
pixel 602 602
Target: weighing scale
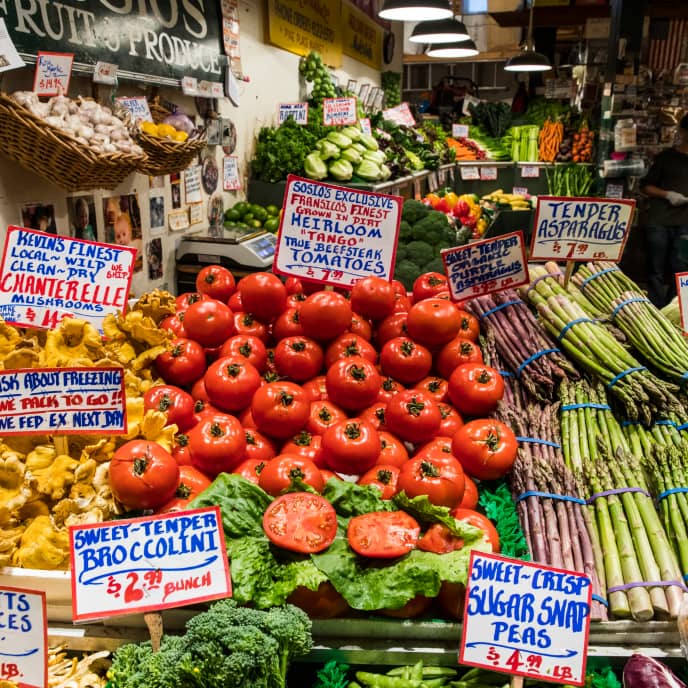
pixel 236 249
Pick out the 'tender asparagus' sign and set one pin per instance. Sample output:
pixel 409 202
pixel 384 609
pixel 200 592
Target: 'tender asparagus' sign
pixel 526 619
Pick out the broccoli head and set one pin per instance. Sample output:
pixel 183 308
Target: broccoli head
pixel 435 265
pixel 405 231
pixel 432 228
pixel 407 272
pixel 413 211
pixel 419 252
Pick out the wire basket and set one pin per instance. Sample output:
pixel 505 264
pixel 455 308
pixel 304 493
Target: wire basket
pixel 56 156
pixel 165 156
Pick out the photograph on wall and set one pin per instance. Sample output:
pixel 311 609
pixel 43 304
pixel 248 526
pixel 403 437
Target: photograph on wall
pixel 157 213
pixel 176 190
pixel 81 211
pixel 123 224
pixel 156 182
pixel 154 259
pixel 209 174
pixel 39 216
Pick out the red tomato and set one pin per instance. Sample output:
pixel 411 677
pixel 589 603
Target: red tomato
pixel 234 302
pixel 427 285
pixel 351 446
pixel 143 475
pixel 212 354
pixel 476 519
pixel 323 603
pixel 199 393
pixel 250 469
pixel 486 448
pixel 245 324
pixel 174 324
pixel 217 444
pixel 323 415
pixel 353 383
pixel 412 416
pixel 373 297
pixel 388 389
pixel 328 475
pixel 183 363
pixel 347 345
pixel 215 281
pixel 280 409
pixel 203 409
pixel 439 477
pixel 180 450
pixel 279 473
pixel 451 420
pixel 375 415
pixel 361 327
pixel 475 389
pixel 392 451
pixel 249 347
pixel 434 387
pixel 384 477
pixel 293 285
pixel 455 353
pixel 392 326
pixel 288 324
pixel 440 446
pixel 316 389
pixel 298 358
pixel 307 445
pixel 300 522
pixel 470 495
pixel 183 301
pixel 231 383
pixel 246 419
pixel 383 534
pixel 402 304
pixel 470 326
pixel 175 402
pixel 295 300
pixel 263 295
pixel 439 540
pixel 399 287
pixel 451 599
pixel 258 446
pixel 191 483
pixel 325 315
pixel 404 360
pixel 433 322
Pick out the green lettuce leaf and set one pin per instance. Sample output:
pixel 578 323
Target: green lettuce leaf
pixel 350 499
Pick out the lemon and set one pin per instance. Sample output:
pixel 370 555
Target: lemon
pixel 165 130
pixel 150 128
pixel 180 136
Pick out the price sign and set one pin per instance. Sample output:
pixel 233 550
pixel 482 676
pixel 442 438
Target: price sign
pixel 64 278
pixel 580 229
pixel 614 191
pixel 483 267
pixel 530 172
pixel 488 173
pixel 148 564
pixel 526 619
pixel 297 111
pixel 339 112
pixel 24 640
pixel 189 86
pixel 460 131
pixel 519 191
pixel 53 72
pixel 105 73
pixel 231 181
pixel 217 89
pixel 401 114
pixel 682 292
pixel 204 89
pixel 365 126
pixel 469 173
pixel 138 107
pixel 73 401
pixel 336 235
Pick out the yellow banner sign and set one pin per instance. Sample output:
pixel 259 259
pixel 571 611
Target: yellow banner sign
pixel 301 26
pixel 362 36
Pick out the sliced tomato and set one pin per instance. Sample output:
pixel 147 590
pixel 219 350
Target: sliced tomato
pixel 301 522
pixel 384 477
pixel 474 518
pixel 383 534
pixel 438 539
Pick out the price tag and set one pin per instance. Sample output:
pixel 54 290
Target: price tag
pixel 519 191
pixel 105 73
pixel 401 114
pixel 317 256
pixel 614 191
pixel 231 181
pixel 138 107
pixel 469 173
pixel 487 266
pixel 148 564
pixel 379 100
pixel 442 176
pixel 298 111
pixel 580 229
pixel 548 641
pixel 53 72
pixel 530 172
pixel 682 292
pixel 339 112
pixel 204 89
pixel 189 86
pixel 372 96
pixel 24 648
pixel 363 93
pixel 365 126
pixel 460 131
pixel 217 89
pixel 488 173
pixel 88 280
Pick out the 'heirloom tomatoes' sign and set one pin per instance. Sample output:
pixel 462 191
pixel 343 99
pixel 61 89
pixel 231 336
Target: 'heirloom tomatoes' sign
pixel 147 564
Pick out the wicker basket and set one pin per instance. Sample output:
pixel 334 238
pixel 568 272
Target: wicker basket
pixel 56 156
pixel 165 156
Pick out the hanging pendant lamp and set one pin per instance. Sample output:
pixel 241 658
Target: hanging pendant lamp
pixel 452 50
pixel 528 60
pixel 415 10
pixel 442 31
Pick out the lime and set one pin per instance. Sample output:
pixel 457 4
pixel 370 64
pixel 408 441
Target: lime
pixel 232 215
pixel 255 224
pixel 271 225
pixel 247 217
pixel 273 210
pixel 241 207
pixel 259 213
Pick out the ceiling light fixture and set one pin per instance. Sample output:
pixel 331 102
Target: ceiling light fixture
pixel 415 10
pixel 528 60
pixel 442 31
pixel 453 50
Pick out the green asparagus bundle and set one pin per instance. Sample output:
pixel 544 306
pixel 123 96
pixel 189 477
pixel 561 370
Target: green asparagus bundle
pixel 672 311
pixel 588 343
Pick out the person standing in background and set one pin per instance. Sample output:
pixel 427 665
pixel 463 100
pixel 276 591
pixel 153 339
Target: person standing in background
pixel 666 184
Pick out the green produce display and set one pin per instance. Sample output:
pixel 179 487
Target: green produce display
pixel 570 180
pixel 391 85
pixel 495 118
pixel 312 68
pixel 524 143
pixel 252 216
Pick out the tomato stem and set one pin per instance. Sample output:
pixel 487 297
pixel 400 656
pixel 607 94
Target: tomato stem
pixel 352 350
pixel 233 369
pixel 388 384
pixel 492 440
pixel 216 430
pixel 140 466
pixel 435 281
pixel 250 437
pixel 407 348
pixel 303 439
pixel 165 402
pixel 434 385
pixel 177 351
pixel 245 349
pixel 325 415
pixel 414 407
pixel 384 476
pixel 357 372
pixel 484 377
pixel 466 348
pixel 182 440
pixel 353 431
pixel 183 491
pixel 286 399
pixel 296 473
pixel 298 346
pixel 429 470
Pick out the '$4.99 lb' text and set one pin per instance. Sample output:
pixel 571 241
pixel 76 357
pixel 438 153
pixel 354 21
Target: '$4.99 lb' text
pixel 531 664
